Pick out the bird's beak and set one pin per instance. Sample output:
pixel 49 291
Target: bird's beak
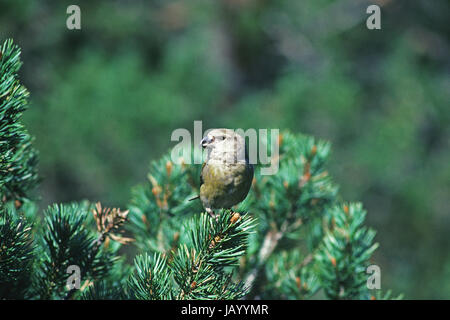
pixel 205 141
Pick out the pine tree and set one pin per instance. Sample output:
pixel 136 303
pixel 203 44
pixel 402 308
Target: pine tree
pixel 18 159
pixel 292 238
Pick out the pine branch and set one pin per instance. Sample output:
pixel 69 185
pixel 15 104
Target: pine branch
pixel 18 159
pixel 108 221
pixel 345 252
pixel 290 275
pixel 151 281
pixel 212 245
pixel 158 208
pixel 289 203
pixel 16 256
pixel 103 290
pixel 269 244
pixel 67 242
pixel 111 287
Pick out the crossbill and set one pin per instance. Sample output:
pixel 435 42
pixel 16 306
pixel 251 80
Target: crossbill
pixel 227 174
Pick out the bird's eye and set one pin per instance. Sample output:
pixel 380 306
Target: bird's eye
pixel 221 138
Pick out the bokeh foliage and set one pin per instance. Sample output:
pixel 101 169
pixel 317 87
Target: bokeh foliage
pixel 106 98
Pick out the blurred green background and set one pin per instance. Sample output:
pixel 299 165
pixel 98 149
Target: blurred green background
pixel 105 99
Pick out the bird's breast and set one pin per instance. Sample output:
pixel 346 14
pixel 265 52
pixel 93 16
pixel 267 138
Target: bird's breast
pixel 225 184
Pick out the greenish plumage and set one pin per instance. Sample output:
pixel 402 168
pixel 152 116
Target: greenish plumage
pixel 227 175
pixel 223 186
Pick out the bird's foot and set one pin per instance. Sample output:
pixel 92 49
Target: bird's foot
pixel 212 214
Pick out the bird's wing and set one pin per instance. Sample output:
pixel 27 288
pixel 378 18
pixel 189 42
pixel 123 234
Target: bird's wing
pixel 201 181
pixel 201 175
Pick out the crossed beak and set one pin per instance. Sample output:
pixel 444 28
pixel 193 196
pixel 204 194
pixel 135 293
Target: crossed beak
pixel 205 141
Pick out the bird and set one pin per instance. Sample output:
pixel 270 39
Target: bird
pixel 227 174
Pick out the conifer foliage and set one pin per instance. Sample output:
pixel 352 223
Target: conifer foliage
pixel 292 238
pixel 18 159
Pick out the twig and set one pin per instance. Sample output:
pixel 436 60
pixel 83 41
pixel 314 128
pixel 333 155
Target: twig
pixel 107 221
pixel 97 243
pixel 271 241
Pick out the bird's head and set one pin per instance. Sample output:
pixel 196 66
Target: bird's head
pixel 224 143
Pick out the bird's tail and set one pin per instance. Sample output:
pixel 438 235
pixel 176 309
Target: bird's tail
pixel 196 197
